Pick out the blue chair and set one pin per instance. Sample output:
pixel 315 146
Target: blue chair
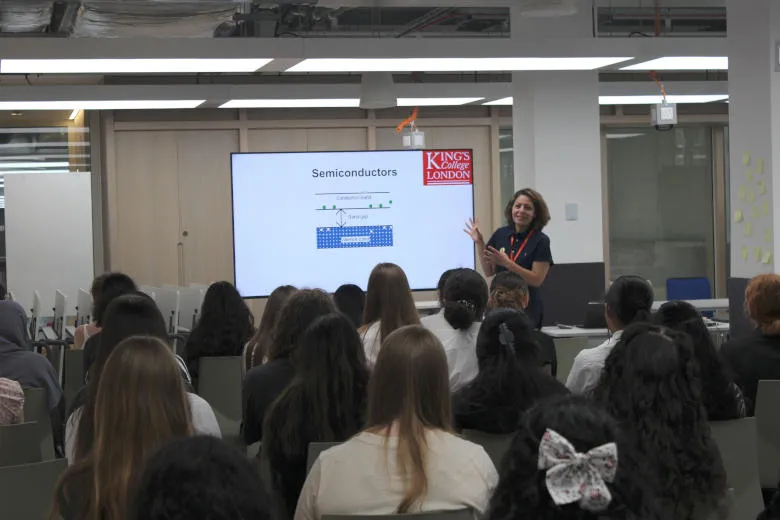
pixel 689 289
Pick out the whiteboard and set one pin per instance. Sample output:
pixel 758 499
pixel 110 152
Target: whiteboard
pixel 48 236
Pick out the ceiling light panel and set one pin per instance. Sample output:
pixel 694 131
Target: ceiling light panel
pixel 683 63
pixel 139 104
pixel 434 102
pixel 654 100
pixel 130 66
pixel 293 103
pixel 507 101
pixel 450 64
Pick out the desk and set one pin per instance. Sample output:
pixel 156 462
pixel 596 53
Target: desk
pixel 432 305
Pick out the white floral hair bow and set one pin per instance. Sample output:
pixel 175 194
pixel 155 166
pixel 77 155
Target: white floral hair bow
pixel 577 477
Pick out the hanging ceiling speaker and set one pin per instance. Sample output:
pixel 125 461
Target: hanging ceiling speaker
pixel 377 90
pixel 545 8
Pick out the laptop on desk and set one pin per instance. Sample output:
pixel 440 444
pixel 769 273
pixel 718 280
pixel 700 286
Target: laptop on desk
pixel 594 316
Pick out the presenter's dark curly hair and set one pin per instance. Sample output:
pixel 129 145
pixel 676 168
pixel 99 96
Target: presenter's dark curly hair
pixel 522 492
pixel 651 384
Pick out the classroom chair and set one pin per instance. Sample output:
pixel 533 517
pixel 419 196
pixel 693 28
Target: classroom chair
pixel 736 441
pixel 74 378
pixel 495 445
pixel 768 432
pixel 457 514
pixel 220 384
pixel 315 448
pixel 27 491
pixel 689 289
pixel 566 350
pixel 36 410
pixel 19 444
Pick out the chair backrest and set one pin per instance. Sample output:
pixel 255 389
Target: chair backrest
pixel 688 289
pixel 566 349
pixel 74 374
pixel 35 314
pixel 36 410
pixel 736 441
pixel 219 383
pixel 457 514
pixel 768 432
pixel 83 308
pixel 315 448
pixel 60 305
pixel 27 491
pixel 191 299
pixel 494 445
pixel 168 300
pixel 18 444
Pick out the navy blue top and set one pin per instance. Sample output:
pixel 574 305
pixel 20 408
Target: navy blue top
pixel 536 250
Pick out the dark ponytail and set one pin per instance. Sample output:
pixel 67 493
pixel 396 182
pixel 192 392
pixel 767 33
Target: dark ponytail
pixel 464 298
pixel 630 300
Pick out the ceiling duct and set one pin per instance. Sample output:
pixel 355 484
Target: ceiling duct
pixel 548 8
pixel 154 18
pixel 25 16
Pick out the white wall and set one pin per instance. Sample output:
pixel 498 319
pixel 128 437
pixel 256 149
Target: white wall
pixel 558 152
pixel 48 218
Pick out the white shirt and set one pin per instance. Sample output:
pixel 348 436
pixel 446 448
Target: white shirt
pixel 372 342
pixel 204 422
pixel 460 347
pixel 587 367
pixel 360 477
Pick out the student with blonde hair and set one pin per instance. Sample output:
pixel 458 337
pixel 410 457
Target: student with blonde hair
pixel 407 460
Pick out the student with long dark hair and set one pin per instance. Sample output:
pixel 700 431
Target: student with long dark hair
pixel 463 302
pixel 722 398
pixel 570 460
pixel 325 402
pixel 225 324
pixel 510 380
pixel 651 385
pixel 140 405
pixel 127 316
pixel 264 383
pixel 389 306
pixel 407 459
pixel 257 349
pixel 628 300
pixel 351 301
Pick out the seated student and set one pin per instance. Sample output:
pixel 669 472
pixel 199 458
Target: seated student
pixel 325 402
pixel 463 302
pixel 141 404
pixel 257 348
pixel 510 380
pixel 19 363
pixel 264 383
pixel 509 290
pixel 722 398
pixel 650 384
pixel 570 460
pixel 389 306
pixel 84 332
pixel 407 459
pixel 114 285
pixel 127 316
pixel 225 324
pixel 440 286
pixel 757 355
pixel 199 478
pixel 629 300
pixel 350 300
pixel 11 402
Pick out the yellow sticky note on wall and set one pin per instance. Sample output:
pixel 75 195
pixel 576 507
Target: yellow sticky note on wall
pixel 741 193
pixel 765 208
pixel 760 166
pixel 746 159
pixel 744 253
pixel 766 258
pixel 758 252
pixel 738 216
pixel 748 229
pixel 761 187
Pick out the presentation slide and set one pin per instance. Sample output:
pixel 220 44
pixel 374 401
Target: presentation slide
pixel 322 219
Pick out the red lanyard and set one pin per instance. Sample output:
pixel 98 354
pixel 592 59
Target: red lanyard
pixel 522 246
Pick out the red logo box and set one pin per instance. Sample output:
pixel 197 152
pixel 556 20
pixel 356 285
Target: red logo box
pixel 447 167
